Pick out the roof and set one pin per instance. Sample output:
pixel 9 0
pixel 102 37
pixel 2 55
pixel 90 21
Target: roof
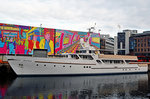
pixel 145 33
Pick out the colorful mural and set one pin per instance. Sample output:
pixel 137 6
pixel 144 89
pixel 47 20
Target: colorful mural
pixel 18 39
pixel 66 41
pixel 95 40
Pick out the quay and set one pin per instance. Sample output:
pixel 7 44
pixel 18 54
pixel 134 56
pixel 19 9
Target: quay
pixel 4 66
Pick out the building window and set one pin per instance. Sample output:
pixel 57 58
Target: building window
pixel 141 49
pixel 149 42
pixel 135 49
pixel 142 45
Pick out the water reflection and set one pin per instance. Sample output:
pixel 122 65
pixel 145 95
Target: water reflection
pixel 80 87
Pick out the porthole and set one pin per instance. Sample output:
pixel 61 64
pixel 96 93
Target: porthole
pixel 84 66
pixel 89 66
pixel 70 66
pixel 44 65
pixel 63 66
pixel 37 65
pixel 54 65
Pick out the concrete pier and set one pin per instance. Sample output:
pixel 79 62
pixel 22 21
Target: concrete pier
pixel 4 66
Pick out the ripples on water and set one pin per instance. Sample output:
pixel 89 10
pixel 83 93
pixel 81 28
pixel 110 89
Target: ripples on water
pixel 76 87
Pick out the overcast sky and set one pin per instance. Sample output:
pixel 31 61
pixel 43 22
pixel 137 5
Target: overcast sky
pixel 78 14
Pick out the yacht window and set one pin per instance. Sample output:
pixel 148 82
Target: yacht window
pixel 91 51
pixel 113 61
pixel 87 57
pixel 128 61
pixel 98 61
pixel 77 51
pixel 118 62
pixel 81 51
pixel 74 56
pixel 61 56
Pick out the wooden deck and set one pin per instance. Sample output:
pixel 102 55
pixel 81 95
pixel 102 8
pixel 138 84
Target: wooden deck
pixel 127 57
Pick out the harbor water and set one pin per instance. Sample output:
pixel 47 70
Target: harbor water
pixel 129 86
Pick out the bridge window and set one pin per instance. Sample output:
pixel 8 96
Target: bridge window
pixel 74 56
pixel 113 61
pixel 87 57
pixel 98 61
pixel 128 61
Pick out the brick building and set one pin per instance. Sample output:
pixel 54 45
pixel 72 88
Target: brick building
pixel 140 45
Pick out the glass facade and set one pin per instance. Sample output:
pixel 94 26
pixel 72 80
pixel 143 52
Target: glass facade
pixel 121 52
pixel 121 39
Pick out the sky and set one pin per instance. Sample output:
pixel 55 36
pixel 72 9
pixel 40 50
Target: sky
pixel 79 15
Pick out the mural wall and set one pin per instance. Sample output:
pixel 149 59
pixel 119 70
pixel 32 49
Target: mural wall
pixel 66 41
pixel 17 39
pixel 95 40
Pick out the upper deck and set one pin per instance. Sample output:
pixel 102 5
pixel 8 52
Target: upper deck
pixel 118 57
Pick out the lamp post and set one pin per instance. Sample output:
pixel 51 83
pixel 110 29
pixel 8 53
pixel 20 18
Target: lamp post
pixel 40 29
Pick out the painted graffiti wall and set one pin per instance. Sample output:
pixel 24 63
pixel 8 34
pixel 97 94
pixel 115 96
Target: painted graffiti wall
pixel 66 41
pixel 17 39
pixel 95 40
pixel 69 41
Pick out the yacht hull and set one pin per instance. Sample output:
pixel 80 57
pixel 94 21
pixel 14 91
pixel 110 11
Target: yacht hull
pixel 29 66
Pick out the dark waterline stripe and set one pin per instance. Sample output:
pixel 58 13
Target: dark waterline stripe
pixel 96 74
